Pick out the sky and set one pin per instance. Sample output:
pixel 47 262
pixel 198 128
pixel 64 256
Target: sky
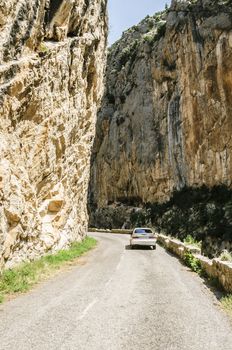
pixel 123 14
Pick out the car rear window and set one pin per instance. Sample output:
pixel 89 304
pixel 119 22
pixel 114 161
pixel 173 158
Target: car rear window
pixel 143 230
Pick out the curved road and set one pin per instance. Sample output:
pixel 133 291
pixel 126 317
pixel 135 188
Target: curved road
pixel 114 299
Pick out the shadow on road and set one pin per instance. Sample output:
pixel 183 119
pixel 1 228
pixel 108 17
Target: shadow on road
pixel 129 247
pixel 213 284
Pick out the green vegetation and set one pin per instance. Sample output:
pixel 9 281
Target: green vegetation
pixel 213 282
pixel 226 256
pixel 43 47
pixel 161 30
pixel 226 302
pixel 128 54
pixel 199 212
pixel 23 277
pixel 149 38
pixel 139 218
pixel 192 241
pixel 192 262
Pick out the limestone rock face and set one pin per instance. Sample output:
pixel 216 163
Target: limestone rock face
pixel 165 121
pixel 52 58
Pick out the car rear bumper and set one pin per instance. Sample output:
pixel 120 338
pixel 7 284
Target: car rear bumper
pixel 143 241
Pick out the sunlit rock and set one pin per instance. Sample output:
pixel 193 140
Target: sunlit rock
pixel 52 59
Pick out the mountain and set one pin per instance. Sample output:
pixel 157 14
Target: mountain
pixel 165 124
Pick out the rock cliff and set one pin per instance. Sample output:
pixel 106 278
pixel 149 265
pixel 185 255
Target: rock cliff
pixel 165 123
pixel 52 58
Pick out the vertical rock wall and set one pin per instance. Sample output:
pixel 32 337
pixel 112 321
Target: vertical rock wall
pixel 165 121
pixel 52 58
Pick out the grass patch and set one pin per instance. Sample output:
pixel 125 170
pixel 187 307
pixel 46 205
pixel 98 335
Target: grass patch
pixel 22 278
pixel 227 303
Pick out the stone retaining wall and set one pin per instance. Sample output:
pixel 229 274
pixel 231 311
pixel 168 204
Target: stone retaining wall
pixel 119 231
pixel 214 268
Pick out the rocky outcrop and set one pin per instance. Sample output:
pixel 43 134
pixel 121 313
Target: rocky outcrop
pixel 165 121
pixel 52 56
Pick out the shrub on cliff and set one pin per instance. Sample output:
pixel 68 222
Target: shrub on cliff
pixel 128 54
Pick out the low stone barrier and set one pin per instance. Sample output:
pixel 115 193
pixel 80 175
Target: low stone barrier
pixel 119 231
pixel 215 268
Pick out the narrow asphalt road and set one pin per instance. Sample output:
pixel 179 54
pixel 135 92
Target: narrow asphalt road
pixel 114 299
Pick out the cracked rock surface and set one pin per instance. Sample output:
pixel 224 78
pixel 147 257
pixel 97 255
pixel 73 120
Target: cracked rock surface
pixel 52 58
pixel 165 121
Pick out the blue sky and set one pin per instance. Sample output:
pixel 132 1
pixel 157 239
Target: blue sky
pixel 123 14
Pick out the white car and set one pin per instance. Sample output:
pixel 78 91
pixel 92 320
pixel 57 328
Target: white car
pixel 143 237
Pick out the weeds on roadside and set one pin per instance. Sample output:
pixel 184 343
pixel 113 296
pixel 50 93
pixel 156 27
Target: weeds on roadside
pixel 192 262
pixel 226 256
pixel 191 241
pixel 23 277
pixel 227 303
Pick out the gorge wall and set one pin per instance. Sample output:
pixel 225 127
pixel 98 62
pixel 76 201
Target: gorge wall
pixel 52 59
pixel 166 119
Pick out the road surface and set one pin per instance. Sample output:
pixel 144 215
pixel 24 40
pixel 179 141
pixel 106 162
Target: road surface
pixel 115 299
